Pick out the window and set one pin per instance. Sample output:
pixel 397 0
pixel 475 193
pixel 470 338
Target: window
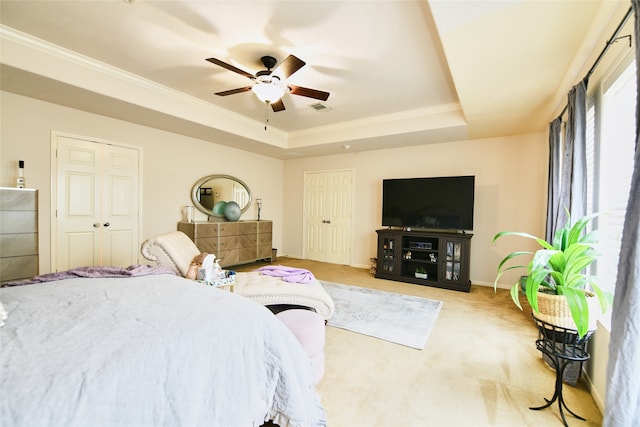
pixel 611 123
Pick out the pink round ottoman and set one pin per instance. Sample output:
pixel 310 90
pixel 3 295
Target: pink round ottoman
pixel 308 328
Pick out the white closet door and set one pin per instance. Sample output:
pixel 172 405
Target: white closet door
pixel 78 204
pixel 120 242
pixel 340 193
pixel 97 204
pixel 328 217
pixel 315 215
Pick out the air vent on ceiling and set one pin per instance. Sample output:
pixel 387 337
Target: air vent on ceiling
pixel 319 106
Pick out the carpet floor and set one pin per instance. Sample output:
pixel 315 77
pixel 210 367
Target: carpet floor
pixel 479 368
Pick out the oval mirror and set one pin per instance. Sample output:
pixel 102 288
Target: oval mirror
pixel 220 188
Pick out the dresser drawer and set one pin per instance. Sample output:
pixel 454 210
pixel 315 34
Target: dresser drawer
pixel 248 241
pixel 206 230
pixel 13 199
pixel 228 257
pixel 19 267
pixel 208 245
pixel 18 221
pixel 264 251
pixel 265 226
pixel 246 254
pixel 228 229
pixel 248 228
pixel 228 243
pixel 264 239
pixel 18 244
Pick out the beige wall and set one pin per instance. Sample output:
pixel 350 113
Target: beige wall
pixel 171 164
pixel 510 188
pixel 510 184
pixel 510 192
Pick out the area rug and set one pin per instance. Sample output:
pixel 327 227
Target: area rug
pixel 401 319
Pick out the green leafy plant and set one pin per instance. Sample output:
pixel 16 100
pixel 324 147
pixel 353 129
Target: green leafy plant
pixel 421 270
pixel 559 268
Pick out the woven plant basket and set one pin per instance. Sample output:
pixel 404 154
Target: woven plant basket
pixel 555 310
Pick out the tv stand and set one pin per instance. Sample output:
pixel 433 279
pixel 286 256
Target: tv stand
pixel 430 258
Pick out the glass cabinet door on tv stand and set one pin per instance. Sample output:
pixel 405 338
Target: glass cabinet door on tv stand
pixel 454 267
pixel 388 255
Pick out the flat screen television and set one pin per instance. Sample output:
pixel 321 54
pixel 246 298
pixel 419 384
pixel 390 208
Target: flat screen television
pixel 442 203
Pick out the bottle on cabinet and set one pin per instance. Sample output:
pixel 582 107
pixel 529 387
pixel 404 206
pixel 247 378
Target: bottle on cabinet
pixel 20 179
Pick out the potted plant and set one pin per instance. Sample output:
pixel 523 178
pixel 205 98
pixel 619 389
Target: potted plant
pixel 557 271
pixel 421 273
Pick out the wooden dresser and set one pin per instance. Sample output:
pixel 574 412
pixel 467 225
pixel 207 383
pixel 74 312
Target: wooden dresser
pixel 238 242
pixel 18 233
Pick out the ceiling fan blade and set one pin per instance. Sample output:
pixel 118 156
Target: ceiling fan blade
pixel 230 67
pixel 289 66
pixel 309 93
pixel 277 106
pixel 234 91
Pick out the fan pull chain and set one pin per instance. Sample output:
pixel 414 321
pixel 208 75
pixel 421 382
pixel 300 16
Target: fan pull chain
pixel 266 115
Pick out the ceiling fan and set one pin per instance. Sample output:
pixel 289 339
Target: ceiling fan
pixel 270 85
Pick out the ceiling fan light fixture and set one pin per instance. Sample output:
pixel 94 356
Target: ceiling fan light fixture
pixel 268 88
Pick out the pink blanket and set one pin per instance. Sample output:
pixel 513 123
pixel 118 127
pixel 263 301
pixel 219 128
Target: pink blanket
pixel 288 274
pixel 95 271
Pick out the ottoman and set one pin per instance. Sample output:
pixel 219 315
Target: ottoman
pixel 271 291
pixel 308 327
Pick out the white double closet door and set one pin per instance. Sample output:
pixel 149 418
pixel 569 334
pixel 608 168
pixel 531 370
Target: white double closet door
pixel 96 193
pixel 328 215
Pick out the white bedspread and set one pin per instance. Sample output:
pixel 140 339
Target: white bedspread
pixel 148 351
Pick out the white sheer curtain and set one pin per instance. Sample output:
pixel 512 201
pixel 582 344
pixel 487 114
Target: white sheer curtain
pixel 623 386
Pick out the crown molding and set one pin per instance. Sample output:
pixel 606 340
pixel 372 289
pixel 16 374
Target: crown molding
pixel 411 121
pixel 28 53
pixel 23 51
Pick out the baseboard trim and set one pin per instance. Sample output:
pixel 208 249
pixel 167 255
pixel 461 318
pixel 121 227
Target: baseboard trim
pixel 489 284
pixel 594 392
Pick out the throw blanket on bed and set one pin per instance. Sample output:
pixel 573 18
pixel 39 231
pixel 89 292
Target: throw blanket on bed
pixel 95 271
pixel 288 274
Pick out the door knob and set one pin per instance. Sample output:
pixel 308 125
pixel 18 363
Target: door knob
pixel 96 225
pixel 106 224
pixel 328 221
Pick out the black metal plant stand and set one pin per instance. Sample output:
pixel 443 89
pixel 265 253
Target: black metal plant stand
pixel 563 346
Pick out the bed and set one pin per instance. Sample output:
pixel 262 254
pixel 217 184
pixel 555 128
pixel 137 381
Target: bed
pixel 152 350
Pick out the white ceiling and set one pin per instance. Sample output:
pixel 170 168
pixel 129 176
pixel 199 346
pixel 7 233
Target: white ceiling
pixel 399 72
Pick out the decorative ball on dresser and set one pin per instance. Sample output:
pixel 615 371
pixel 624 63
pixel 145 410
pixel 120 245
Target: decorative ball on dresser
pixel 232 211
